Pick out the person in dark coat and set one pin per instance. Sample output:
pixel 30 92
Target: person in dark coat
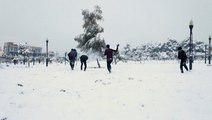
pixel 109 53
pixel 183 57
pixel 72 55
pixel 83 59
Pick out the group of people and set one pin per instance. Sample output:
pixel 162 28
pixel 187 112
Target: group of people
pixel 109 58
pixel 72 55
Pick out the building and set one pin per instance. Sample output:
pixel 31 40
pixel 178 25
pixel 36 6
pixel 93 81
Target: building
pixel 36 51
pixel 10 48
pixel 1 52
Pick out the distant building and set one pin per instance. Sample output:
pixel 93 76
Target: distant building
pixel 51 53
pixel 36 50
pixel 10 48
pixel 1 52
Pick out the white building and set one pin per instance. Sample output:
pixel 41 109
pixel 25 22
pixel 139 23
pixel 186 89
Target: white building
pixel 11 48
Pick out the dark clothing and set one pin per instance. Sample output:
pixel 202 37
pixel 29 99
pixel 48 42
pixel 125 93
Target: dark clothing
pixel 72 55
pixel 183 64
pixel 83 60
pixel 85 65
pixel 72 62
pixel 183 57
pixel 109 65
pixel 109 54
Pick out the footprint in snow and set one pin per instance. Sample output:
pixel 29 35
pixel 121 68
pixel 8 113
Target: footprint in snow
pixel 131 78
pixel 98 81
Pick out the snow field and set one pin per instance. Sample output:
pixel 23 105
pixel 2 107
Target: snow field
pixel 153 90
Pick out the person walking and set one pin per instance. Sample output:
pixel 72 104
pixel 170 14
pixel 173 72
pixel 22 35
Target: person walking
pixel 72 55
pixel 83 59
pixel 183 57
pixel 109 53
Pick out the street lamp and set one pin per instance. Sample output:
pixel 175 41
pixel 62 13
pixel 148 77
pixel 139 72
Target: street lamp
pixel 209 58
pixel 191 25
pixel 205 54
pixel 47 56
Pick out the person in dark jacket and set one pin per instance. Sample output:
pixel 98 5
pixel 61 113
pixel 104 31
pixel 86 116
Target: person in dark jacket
pixel 72 55
pixel 109 53
pixel 83 59
pixel 183 57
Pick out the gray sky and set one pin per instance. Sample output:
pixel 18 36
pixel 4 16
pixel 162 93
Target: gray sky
pixel 125 21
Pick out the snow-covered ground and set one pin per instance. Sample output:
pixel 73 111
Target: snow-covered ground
pixel 133 91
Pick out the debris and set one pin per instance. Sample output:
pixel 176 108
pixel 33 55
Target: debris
pixel 4 118
pixel 62 90
pixel 20 85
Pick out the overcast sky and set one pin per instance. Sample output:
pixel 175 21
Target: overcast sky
pixel 125 21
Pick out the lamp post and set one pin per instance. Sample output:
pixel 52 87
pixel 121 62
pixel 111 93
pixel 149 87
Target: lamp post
pixel 205 54
pixel 47 56
pixel 191 25
pixel 209 57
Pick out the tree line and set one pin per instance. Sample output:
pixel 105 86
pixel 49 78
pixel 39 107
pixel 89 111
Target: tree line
pixel 162 51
